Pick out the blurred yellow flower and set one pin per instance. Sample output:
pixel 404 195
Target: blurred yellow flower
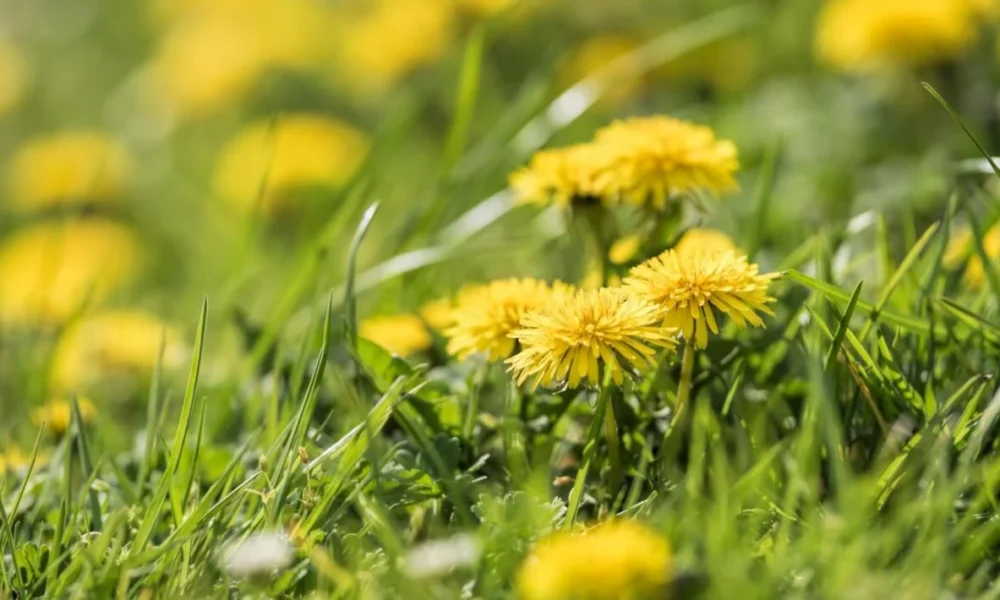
pixel 485 316
pixel 279 156
pixel 215 52
pixel 484 8
pixel 438 313
pixel 69 167
pixel 961 249
pixel 616 560
pixel 690 286
pixel 111 342
pixel 649 161
pixel 57 414
pixel 708 240
pixel 16 459
pixel 624 249
pixel 571 336
pixel 399 334
pixel 392 38
pixel 13 76
pixel 593 55
pixel 562 176
pixel 52 270
pixel 863 35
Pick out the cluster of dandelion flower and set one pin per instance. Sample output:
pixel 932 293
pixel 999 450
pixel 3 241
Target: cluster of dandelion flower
pixel 616 559
pixel 961 250
pixel 643 162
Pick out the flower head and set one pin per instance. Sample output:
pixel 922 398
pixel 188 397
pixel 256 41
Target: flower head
pixel 624 249
pixel 710 240
pixel 109 343
pixel 648 161
pixel 961 250
pixel 52 270
pixel 400 334
pixel 57 414
pixel 569 337
pixel 690 286
pixel 617 559
pixel 296 151
pixel 862 35
pixel 72 167
pixel 437 313
pixel 13 76
pixel 485 315
pixel 562 176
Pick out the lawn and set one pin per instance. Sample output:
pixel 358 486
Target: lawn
pixel 535 299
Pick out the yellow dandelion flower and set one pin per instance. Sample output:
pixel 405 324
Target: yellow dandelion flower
pixel 399 334
pixel 52 270
pixel 214 52
pixel 595 54
pixel 648 161
pixel 486 315
pixel 690 286
pixel 619 559
pixel 569 337
pixel 421 32
pixel 625 249
pixel 706 240
pixel 13 76
pixel 57 414
pixel 438 313
pixel 100 345
pixel 296 151
pixel 863 35
pixel 484 8
pixel 961 249
pixel 70 167
pixel 16 459
pixel 562 176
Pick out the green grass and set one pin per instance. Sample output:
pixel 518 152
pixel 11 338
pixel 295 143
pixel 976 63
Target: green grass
pixel 848 449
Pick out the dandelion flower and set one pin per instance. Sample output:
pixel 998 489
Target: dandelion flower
pixel 57 414
pixel 649 161
pixel 421 32
pixel 399 334
pixel 561 177
pixel 52 270
pixel 595 54
pixel 296 151
pixel 864 35
pixel 13 76
pixel 961 249
pixel 618 559
pixel 486 315
pixel 569 337
pixel 215 52
pixel 690 286
pixel 624 249
pixel 13 459
pixel 127 342
pixel 706 240
pixel 68 168
pixel 438 313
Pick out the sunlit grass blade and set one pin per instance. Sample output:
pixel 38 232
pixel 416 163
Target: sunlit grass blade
pixel 152 516
pixel 954 115
pixel 86 468
pixel 350 306
pixel 845 323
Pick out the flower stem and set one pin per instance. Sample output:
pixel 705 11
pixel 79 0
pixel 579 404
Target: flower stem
pixel 687 372
pixel 589 450
pixel 614 447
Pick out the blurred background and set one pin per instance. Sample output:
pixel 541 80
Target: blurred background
pixel 155 152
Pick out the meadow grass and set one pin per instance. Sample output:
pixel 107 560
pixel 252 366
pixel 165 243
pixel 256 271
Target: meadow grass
pixel 846 449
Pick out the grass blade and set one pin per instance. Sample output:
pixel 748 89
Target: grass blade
pixel 350 307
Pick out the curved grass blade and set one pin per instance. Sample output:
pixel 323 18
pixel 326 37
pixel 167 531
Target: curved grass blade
pixel 933 92
pixel 155 506
pixel 845 324
pixel 350 307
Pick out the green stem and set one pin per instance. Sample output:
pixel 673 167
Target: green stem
pixel 614 447
pixel 589 451
pixel 683 396
pixel 687 372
